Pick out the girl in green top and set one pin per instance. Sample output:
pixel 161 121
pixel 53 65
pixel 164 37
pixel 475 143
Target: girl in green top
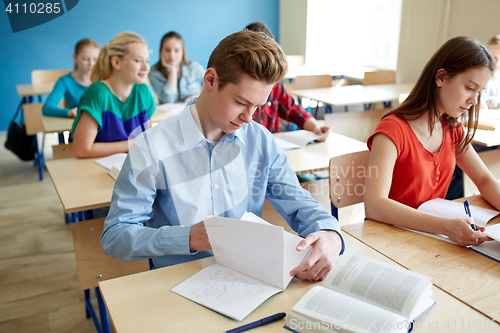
pixel 118 105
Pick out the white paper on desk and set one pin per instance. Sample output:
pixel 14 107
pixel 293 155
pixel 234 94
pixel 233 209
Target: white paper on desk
pixel 493 232
pixel 286 145
pixel 226 291
pixel 454 209
pixel 263 251
pixel 168 107
pixel 300 137
pixel 112 160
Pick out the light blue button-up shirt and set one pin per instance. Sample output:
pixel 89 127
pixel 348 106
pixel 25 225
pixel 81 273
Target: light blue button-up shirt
pixel 173 176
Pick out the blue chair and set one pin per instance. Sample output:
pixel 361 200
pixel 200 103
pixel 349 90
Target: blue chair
pixel 346 188
pixel 94 266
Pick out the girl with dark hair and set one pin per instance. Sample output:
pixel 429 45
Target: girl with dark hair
pixel 174 78
pixel 414 149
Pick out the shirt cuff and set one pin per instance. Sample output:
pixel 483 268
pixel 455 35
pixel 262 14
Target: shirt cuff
pixel 174 240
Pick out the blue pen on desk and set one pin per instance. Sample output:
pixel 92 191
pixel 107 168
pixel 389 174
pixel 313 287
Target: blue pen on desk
pixel 258 323
pixel 467 211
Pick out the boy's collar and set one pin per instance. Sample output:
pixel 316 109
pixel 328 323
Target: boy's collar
pixel 196 119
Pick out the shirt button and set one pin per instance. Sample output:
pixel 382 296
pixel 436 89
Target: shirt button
pixel 214 153
pixel 269 103
pixel 216 186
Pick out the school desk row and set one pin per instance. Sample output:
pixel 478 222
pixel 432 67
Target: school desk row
pixel 466 287
pixel 83 184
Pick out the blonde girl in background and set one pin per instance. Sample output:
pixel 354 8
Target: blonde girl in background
pixel 118 103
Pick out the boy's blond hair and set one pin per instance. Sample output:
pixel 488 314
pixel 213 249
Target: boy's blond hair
pixel 251 53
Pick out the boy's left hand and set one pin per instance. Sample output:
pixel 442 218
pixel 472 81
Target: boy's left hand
pixel 326 245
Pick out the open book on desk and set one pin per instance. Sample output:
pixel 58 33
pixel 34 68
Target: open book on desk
pixel 254 259
pixel 454 209
pixel 362 294
pixel 297 139
pixel 113 163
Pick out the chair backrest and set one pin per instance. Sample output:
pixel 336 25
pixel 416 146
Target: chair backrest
pixel 358 125
pixel 63 150
pixel 347 174
pixel 32 118
pixel 42 76
pixel 312 81
pixel 379 77
pixel 92 264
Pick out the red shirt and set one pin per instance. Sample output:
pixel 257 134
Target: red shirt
pixel 418 174
pixel 280 105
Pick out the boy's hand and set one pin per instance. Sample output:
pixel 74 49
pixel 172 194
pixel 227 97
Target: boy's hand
pixel 322 131
pixel 198 238
pixel 326 245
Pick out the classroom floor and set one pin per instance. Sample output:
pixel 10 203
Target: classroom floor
pixel 39 289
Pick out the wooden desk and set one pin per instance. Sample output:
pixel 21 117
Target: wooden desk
pixel 29 90
pixel 351 72
pixel 469 276
pixel 355 94
pixel 81 184
pixel 56 124
pixel 143 302
pixel 316 156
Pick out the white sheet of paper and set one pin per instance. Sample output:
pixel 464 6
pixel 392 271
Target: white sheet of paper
pixel 493 232
pixel 454 209
pixel 251 248
pixel 300 137
pixel 226 291
pixel 109 161
pixel 171 106
pixel 286 145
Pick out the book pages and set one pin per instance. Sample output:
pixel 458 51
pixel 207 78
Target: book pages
pixel 391 287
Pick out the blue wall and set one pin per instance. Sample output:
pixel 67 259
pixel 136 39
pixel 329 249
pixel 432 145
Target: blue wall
pixel 202 23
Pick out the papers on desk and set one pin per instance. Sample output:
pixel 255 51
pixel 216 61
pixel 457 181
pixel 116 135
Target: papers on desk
pixel 254 259
pixel 454 209
pixel 168 107
pixel 297 139
pixel 113 163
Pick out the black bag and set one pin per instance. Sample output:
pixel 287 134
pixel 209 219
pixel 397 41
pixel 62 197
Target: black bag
pixel 17 141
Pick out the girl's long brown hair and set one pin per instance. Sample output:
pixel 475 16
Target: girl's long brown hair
pixel 455 56
pixel 168 35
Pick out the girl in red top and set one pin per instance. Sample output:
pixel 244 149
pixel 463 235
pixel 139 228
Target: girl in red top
pixel 416 146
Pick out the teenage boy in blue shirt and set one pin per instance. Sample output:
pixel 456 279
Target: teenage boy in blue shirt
pixel 212 159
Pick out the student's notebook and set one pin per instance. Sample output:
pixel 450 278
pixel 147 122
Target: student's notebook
pixel 297 139
pixel 113 163
pixel 454 209
pixel 362 294
pixel 254 259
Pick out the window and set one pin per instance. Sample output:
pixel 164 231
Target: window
pixel 353 33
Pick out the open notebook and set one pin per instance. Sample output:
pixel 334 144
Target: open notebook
pixel 297 139
pixel 454 209
pixel 254 259
pixel 113 163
